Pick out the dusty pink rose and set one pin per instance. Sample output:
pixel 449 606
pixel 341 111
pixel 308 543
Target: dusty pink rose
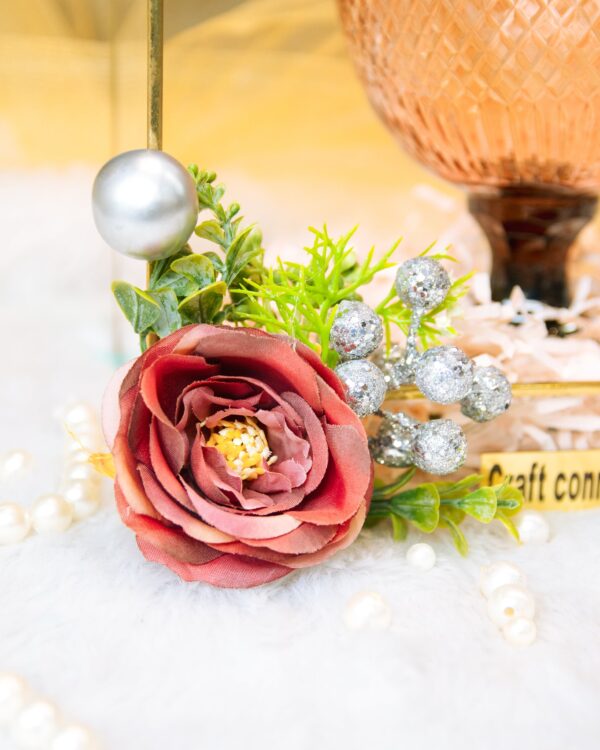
pixel 237 458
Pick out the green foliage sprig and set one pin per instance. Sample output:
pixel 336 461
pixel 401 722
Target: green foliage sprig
pixel 195 287
pixel 433 505
pixel 301 299
pixel 232 284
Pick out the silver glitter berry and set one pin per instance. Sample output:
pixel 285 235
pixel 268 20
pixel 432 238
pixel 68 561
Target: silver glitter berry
pixel 422 283
pixel 439 446
pixel 444 374
pixel 392 445
pixel 490 395
pixel 365 385
pixel 356 331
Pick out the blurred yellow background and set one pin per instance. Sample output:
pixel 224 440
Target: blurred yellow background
pixel 264 85
pixel 261 91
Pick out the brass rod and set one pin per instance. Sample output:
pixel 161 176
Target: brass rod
pixel 154 93
pixel 155 74
pixel 520 390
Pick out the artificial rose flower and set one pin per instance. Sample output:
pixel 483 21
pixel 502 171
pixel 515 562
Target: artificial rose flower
pixel 237 457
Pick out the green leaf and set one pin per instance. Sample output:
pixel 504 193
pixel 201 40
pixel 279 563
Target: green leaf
pixel 169 319
pixel 211 230
pixel 387 490
pixel 245 247
pixel 481 504
pixel 138 306
pixel 399 528
pixel 419 505
pixel 196 268
pixel 451 521
pixel 216 260
pixel 202 306
pixel 450 490
pixel 508 524
pixel 509 499
pixel 181 285
pixel 160 267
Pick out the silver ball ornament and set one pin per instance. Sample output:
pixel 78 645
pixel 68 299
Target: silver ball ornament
pixel 422 283
pixel 444 374
pixel 145 204
pixel 356 331
pixel 439 447
pixel 365 385
pixel 490 395
pixel 392 445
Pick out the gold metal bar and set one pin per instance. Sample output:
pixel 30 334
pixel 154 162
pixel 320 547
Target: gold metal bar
pixel 520 390
pixel 154 94
pixel 155 73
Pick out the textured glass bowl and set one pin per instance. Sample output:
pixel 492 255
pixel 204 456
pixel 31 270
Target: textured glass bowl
pixel 502 96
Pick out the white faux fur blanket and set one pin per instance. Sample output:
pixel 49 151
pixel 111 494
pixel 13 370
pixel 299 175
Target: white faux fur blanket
pixel 151 663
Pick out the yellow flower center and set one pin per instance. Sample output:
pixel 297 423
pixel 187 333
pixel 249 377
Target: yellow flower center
pixel 243 444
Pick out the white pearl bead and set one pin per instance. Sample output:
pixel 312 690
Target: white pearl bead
pixel 14 463
pixel 508 602
pixel 367 610
pixel 421 556
pixel 532 527
pixel 36 725
pixel 83 472
pixel 499 574
pixel 14 693
pixel 74 737
pixel 79 413
pixel 14 523
pixel 76 455
pixel 84 498
pixel 520 631
pixel 51 513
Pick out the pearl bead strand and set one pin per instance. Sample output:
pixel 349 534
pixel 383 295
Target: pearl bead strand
pixel 80 487
pixel 35 723
pixel 510 606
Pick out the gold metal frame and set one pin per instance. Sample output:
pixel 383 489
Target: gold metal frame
pixel 155 73
pixel 520 390
pixel 154 141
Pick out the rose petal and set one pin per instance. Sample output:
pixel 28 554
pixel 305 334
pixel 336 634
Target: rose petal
pixel 228 571
pixel 174 513
pixel 282 441
pixel 111 409
pixel 162 469
pixel 171 540
pixel 251 526
pixel 253 353
pixel 346 481
pixel 161 384
pixel 316 439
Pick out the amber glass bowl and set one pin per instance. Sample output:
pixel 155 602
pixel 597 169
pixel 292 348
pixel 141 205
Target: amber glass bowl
pixel 503 97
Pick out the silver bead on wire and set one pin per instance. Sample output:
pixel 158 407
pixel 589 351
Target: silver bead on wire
pixel 365 385
pixel 392 445
pixel 444 374
pixel 356 331
pixel 439 446
pixel 422 283
pixel 490 395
